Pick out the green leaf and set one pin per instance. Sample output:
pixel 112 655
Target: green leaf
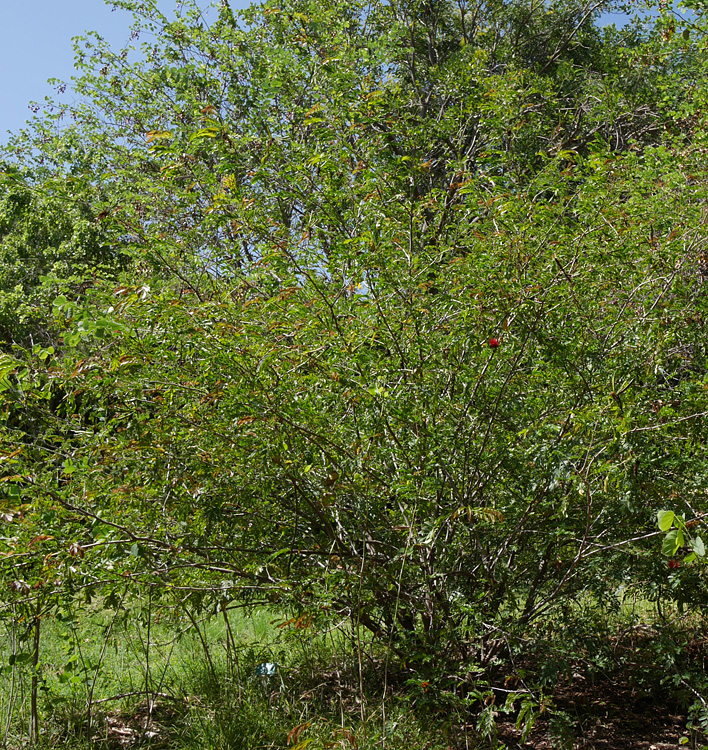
pixel 21 658
pixel 211 132
pixel 697 546
pixel 670 545
pixel 665 519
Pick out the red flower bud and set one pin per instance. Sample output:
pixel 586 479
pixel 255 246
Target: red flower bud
pixel 494 343
pixel 674 564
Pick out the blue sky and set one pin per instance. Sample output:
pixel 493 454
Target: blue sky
pixel 36 45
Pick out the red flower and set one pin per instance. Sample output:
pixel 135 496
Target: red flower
pixel 674 564
pixel 494 343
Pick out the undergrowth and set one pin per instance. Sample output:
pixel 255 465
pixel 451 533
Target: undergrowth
pixel 136 676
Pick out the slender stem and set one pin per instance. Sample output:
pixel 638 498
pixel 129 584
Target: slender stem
pixel 34 714
pixel 13 682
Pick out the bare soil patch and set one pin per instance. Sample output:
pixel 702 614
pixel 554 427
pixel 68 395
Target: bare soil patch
pixel 606 715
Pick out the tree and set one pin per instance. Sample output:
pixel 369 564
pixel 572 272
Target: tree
pixel 413 333
pixel 51 243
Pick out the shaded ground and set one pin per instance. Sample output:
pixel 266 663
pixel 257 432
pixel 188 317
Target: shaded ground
pixel 600 716
pixel 142 726
pixel 605 715
pixel 640 705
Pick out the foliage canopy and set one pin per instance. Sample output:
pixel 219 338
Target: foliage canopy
pixel 399 319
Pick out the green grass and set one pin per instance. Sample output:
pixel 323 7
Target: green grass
pixel 158 677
